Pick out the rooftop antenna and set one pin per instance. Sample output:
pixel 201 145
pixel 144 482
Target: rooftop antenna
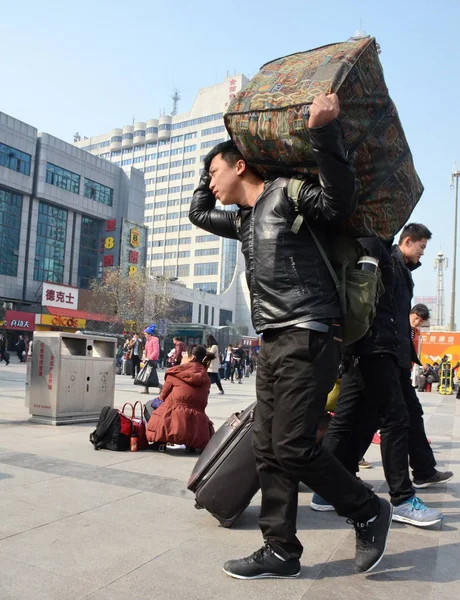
pixel 175 98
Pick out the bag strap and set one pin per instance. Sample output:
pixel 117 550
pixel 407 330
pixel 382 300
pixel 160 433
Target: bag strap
pixel 132 410
pixel 141 409
pixel 294 187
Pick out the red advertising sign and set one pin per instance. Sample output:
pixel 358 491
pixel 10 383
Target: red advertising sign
pixel 20 321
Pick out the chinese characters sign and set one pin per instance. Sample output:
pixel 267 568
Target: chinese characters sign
pixel 60 296
pixel 20 321
pixel 133 247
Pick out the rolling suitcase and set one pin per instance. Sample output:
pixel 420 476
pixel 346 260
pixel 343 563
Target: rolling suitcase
pixel 225 478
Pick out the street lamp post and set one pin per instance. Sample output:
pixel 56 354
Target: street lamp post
pixel 456 175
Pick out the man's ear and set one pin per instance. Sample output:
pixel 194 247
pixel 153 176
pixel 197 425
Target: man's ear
pixel 240 167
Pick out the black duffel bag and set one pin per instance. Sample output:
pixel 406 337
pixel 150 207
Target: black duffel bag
pixel 148 376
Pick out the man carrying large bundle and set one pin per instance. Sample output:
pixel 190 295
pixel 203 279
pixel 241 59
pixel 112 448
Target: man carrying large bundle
pixel 295 305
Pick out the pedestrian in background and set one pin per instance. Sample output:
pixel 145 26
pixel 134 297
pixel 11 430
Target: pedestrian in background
pixel 213 369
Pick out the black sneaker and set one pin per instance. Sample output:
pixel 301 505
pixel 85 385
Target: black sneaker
pixel 438 477
pixel 371 538
pixel 263 564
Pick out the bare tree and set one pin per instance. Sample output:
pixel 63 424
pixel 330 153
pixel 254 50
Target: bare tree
pixel 135 300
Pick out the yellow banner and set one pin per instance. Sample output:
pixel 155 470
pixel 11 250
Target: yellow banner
pixel 56 321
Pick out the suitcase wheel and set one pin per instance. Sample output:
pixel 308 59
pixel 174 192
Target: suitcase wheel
pixel 198 505
pixel 226 524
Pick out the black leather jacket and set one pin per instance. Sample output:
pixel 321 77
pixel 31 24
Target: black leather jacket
pixel 287 278
pixel 404 290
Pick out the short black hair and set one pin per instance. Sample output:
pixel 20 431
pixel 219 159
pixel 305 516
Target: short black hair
pixel 229 151
pixel 421 310
pixel 178 338
pixel 416 232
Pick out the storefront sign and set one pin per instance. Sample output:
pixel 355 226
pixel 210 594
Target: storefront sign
pixel 18 320
pixel 60 296
pixel 57 321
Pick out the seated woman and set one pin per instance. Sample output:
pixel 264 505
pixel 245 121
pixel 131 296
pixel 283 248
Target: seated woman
pixel 181 418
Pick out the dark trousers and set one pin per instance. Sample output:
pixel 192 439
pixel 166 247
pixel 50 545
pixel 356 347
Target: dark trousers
pixel 136 365
pixel 296 369
pixel 228 369
pixel 421 456
pixel 215 378
pixel 237 366
pixel 371 398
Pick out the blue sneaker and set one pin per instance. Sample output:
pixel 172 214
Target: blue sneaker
pixel 415 512
pixel 319 504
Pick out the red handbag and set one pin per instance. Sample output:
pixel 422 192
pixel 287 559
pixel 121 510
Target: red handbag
pixel 137 426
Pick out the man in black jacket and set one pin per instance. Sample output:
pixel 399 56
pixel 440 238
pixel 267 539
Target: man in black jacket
pixel 406 258
pixel 370 398
pixel 295 305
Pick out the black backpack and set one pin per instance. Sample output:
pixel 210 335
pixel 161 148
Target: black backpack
pixel 108 431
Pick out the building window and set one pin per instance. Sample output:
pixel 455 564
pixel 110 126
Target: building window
pixel 150 157
pixel 184 213
pixel 225 317
pixel 206 315
pixel 50 244
pixel 183 254
pixel 212 130
pixel 173 202
pixel 157 256
pixel 177 138
pixel 172 228
pixel 171 242
pixel 165 127
pixel 183 270
pixel 173 215
pixel 161 192
pixel 190 136
pixel 185 240
pixel 127 151
pixel 206 238
pixel 175 176
pixel 175 151
pixel 187 174
pixel 148 206
pixel 89 255
pixel 158 243
pixel 210 287
pixel 206 268
pixel 188 188
pixel 151 130
pixel 116 138
pixel 160 217
pixel 170 255
pixel 162 167
pixel 161 204
pixel 139 133
pixel 150 169
pixel 140 148
pixel 157 230
pixel 62 178
pixel 189 161
pixel 175 189
pixel 98 192
pixel 211 143
pixel 163 154
pixel 185 200
pixel 115 153
pixel 156 270
pixel 191 148
pixel 127 136
pixel 138 159
pixel 128 161
pixel 162 179
pixel 206 252
pixel 212 316
pixel 185 227
pixel 199 313
pixel 197 121
pixel 14 159
pixel 10 230
pixel 169 272
pixel 176 163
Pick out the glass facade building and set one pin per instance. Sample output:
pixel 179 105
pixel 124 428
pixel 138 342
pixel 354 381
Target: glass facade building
pixel 10 230
pixel 50 244
pixel 89 256
pixel 14 159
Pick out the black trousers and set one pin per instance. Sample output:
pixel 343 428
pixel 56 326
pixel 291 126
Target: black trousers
pixel 421 458
pixel 296 369
pixel 371 398
pixel 215 378
pixel 136 365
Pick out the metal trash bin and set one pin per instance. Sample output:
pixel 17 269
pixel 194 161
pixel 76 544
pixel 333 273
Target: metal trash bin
pixel 72 376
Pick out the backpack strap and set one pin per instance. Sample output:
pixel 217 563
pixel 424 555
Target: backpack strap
pixel 294 187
